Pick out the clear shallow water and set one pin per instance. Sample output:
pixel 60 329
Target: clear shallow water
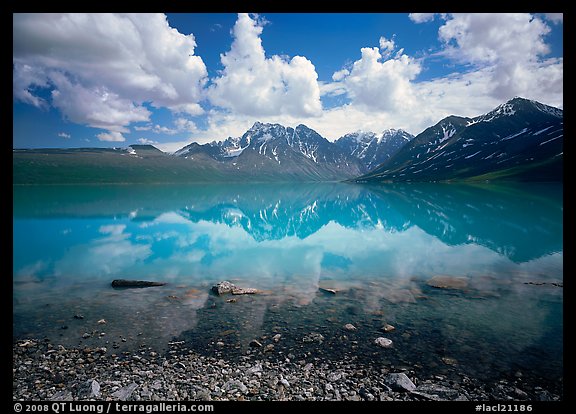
pixel 377 246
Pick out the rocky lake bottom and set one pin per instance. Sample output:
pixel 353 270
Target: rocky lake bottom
pixel 334 348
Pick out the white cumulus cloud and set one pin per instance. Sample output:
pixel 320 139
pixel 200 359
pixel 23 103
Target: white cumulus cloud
pixel 253 84
pixel 102 68
pixel 112 136
pixel 512 45
pixel 64 135
pixel 380 80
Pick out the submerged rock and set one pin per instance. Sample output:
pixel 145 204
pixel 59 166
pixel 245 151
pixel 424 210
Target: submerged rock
pixel 350 327
pixel 383 342
pixel 255 344
pixel 388 328
pixel 125 283
pixel 327 290
pixel 448 282
pixel 244 291
pixel 224 287
pixel 313 337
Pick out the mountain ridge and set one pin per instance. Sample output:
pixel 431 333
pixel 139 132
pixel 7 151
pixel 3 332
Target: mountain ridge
pixel 519 139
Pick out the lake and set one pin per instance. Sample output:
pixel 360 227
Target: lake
pixel 470 276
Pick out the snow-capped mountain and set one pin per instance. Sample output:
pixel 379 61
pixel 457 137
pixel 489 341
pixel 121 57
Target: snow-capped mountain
pixel 283 152
pixel 519 139
pixel 372 149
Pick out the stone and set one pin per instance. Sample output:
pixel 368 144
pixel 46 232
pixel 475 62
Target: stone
pixel 334 376
pixel 276 337
pixel 78 316
pixel 86 335
pixel 255 344
pixel 449 361
pixel 269 348
pixel 64 395
pixel 179 365
pixel 438 392
pixel 327 290
pixel 254 369
pixel 235 384
pixel 313 337
pixel 27 344
pixel 520 394
pixel 244 291
pixel 350 327
pixel 90 389
pixel 125 392
pixel 102 321
pixel 388 328
pixel 448 282
pixel 125 283
pixel 383 342
pixel 225 287
pixel 399 381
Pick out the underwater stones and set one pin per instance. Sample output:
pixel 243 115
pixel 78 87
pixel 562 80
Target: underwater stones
pixel 313 337
pixel 350 327
pixel 383 342
pixel 255 344
pixel 327 290
pixel 269 348
pixel 224 287
pixel 244 291
pixel 388 328
pixel 448 282
pixel 125 283
pixel 449 361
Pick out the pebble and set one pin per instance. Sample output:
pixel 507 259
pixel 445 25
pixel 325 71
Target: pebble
pixel 388 328
pixel 350 327
pixel 187 375
pixel 383 342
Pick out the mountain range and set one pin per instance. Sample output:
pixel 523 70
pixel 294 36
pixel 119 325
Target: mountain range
pixel 520 140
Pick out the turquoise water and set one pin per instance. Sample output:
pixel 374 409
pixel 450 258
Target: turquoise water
pixel 377 246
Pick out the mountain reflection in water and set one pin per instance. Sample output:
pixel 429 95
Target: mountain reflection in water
pixel 378 246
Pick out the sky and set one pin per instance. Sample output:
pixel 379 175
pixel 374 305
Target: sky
pixel 113 80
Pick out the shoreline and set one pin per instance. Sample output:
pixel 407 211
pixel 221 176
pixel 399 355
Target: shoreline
pixel 43 371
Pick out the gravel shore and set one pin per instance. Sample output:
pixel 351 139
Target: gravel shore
pixel 44 371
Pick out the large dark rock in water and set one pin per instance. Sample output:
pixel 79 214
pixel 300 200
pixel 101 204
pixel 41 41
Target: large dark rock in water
pixel 125 283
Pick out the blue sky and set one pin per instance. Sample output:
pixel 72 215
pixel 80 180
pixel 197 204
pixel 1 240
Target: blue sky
pixel 121 79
